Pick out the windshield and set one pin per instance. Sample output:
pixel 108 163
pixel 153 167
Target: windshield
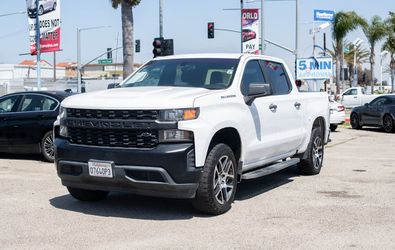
pixel 198 73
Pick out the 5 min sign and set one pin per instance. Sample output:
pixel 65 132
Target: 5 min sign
pixel 314 68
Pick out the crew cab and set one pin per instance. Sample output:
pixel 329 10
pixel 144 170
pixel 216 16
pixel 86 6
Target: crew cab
pixel 190 126
pixel 356 96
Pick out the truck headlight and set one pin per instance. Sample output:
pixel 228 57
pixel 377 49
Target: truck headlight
pixel 62 112
pixel 174 135
pixel 179 114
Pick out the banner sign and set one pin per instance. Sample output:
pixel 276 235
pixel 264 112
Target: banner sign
pixel 324 15
pixel 49 20
pixel 314 68
pixel 251 28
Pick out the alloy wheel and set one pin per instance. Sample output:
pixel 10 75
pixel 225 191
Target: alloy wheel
pixel 388 124
pixel 223 183
pixel 49 148
pixel 317 152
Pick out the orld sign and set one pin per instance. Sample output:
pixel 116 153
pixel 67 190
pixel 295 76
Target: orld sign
pixel 314 68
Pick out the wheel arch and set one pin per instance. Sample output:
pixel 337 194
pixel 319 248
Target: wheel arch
pixel 229 136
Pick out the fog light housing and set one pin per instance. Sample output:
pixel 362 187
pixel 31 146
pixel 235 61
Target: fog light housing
pixel 63 131
pixel 174 135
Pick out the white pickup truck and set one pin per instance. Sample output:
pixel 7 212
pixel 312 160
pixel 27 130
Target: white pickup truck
pixel 190 126
pixel 355 96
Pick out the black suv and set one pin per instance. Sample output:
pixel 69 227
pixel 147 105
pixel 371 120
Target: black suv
pixel 26 122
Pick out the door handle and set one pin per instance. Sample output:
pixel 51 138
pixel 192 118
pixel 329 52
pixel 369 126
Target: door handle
pixel 273 107
pixel 355 97
pixel 297 105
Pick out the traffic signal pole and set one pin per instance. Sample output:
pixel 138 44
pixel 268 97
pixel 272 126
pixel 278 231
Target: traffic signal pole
pixel 160 18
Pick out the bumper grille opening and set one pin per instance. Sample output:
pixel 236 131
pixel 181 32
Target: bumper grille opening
pixel 148 176
pixel 113 137
pixel 71 170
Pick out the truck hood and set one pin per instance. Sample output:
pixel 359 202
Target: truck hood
pixel 137 98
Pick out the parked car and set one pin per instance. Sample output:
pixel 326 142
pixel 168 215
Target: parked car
pixel 26 122
pixel 43 7
pixel 337 114
pixel 190 126
pixel 355 96
pixel 248 35
pixel 379 113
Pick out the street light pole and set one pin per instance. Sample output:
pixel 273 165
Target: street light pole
pixel 79 68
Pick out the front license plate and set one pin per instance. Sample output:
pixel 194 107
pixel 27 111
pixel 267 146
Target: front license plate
pixel 100 169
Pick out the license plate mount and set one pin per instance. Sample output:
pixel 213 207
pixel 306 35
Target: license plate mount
pixel 102 169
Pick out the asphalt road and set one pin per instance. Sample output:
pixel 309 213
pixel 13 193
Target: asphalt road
pixel 350 205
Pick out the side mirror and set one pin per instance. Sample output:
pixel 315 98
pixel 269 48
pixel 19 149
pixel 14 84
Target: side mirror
pixel 113 85
pixel 255 90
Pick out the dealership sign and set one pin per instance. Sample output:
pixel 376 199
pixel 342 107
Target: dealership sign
pixel 314 68
pixel 324 15
pixel 49 25
pixel 250 31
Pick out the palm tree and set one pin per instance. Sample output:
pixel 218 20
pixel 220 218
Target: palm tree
pixel 127 32
pixel 389 45
pixel 361 57
pixel 374 32
pixel 343 23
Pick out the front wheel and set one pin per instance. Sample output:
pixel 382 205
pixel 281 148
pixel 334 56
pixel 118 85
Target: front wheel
pixel 87 195
pixel 48 147
pixel 40 10
pixel 388 124
pixel 312 161
pixel 217 186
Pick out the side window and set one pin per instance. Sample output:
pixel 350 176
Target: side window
pixel 348 92
pixel 278 78
pixel 378 101
pixel 252 73
pixel 354 92
pixel 37 103
pixel 7 104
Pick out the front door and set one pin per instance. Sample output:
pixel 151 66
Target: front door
pixel 8 107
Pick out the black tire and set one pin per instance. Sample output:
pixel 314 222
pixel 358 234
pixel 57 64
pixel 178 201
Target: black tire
pixel 48 147
pixel 311 163
pixel 217 189
pixel 40 10
pixel 333 127
pixel 87 195
pixel 354 120
pixel 388 124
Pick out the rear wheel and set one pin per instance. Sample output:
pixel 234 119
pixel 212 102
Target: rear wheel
pixel 87 195
pixel 40 10
pixel 47 147
pixel 354 120
pixel 333 127
pixel 312 161
pixel 217 186
pixel 388 124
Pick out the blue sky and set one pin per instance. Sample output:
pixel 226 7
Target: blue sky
pixel 184 20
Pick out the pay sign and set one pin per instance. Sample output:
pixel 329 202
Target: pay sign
pixel 314 68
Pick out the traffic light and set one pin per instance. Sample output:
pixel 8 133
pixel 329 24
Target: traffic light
pixel 137 46
pixel 158 47
pixel 210 30
pixel 163 47
pixel 109 53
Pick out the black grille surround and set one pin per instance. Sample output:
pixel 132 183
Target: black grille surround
pixel 126 137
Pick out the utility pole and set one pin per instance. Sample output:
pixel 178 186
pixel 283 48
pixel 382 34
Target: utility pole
pixel 160 18
pixel 38 48
pixel 263 50
pixel 296 34
pixel 54 66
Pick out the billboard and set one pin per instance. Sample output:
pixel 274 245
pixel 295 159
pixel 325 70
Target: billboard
pixel 250 31
pixel 49 21
pixel 314 68
pixel 324 15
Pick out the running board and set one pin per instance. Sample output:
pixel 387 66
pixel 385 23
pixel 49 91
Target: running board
pixel 270 169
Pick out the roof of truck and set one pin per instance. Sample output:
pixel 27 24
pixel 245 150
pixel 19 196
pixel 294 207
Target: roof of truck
pixel 216 55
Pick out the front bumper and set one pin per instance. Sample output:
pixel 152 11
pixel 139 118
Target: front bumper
pixel 167 170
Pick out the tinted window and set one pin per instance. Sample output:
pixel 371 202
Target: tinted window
pixel 202 73
pixel 278 78
pixel 37 103
pixel 7 104
pixel 351 92
pixel 252 73
pixel 378 101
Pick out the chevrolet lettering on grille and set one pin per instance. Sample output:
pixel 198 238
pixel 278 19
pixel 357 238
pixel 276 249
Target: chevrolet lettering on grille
pixel 106 124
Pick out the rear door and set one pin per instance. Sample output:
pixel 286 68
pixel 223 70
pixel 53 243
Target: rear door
pixel 289 114
pixel 35 116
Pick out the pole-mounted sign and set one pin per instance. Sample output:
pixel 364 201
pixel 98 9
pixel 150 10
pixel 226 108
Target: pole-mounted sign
pixel 324 15
pixel 251 31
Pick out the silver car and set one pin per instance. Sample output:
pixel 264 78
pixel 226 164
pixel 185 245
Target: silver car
pixel 44 6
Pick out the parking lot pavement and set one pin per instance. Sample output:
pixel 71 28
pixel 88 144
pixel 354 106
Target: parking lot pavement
pixel 351 204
